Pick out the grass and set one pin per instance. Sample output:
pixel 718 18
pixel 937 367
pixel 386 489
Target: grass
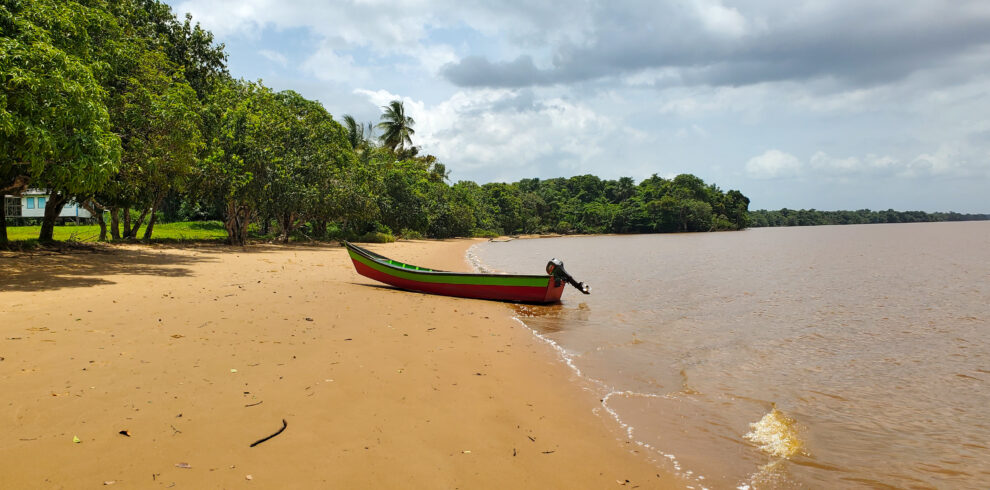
pixel 26 237
pixel 163 232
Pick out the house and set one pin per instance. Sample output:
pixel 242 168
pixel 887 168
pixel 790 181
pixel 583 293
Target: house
pixel 32 205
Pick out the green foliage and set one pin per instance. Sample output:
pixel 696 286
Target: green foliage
pixel 281 157
pixel 236 169
pixel 408 234
pixel 184 43
pixel 396 126
pixel 157 115
pixel 813 217
pixel 359 136
pixel 54 126
pixel 588 204
pixel 376 237
pixel 484 234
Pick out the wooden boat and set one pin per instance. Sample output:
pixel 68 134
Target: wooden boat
pixel 505 287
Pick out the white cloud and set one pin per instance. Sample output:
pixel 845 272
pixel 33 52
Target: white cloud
pixel 950 160
pixel 719 19
pixel 851 166
pixel 382 28
pixel 773 164
pixel 325 64
pixel 469 133
pixel 946 161
pixel 228 18
pixel 274 57
pixel 432 57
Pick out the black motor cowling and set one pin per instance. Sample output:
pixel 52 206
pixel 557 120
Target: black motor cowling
pixel 556 269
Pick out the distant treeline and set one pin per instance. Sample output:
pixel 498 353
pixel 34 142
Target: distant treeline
pixel 588 204
pixel 814 217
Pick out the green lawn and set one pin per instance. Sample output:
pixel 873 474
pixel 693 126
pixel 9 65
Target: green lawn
pixel 188 230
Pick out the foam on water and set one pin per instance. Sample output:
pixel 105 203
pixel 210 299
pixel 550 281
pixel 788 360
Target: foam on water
pixel 776 434
pixel 603 390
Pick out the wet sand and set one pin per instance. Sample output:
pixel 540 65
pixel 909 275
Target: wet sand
pixel 198 352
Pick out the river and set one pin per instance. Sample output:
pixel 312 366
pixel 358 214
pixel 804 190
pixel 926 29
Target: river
pixel 820 357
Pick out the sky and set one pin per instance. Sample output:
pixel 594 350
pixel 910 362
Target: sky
pixel 825 104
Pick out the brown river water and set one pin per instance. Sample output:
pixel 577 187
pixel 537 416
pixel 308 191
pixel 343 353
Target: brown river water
pixel 814 357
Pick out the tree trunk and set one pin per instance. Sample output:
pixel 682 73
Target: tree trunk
pixel 3 219
pixel 127 221
pixel 115 223
pixel 284 222
pixel 53 208
pixel 266 225
pixel 97 211
pixel 103 225
pixel 151 221
pixel 288 223
pixel 138 223
pixel 16 186
pixel 320 229
pixel 236 222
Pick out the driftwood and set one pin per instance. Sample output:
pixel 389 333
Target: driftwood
pixel 259 441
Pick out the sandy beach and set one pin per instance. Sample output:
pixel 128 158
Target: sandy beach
pixel 167 363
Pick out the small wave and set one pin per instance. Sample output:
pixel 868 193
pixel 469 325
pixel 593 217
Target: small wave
pixel 600 387
pixel 474 261
pixel 776 434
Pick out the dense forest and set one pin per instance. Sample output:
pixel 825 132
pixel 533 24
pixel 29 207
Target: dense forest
pixel 813 217
pixel 131 112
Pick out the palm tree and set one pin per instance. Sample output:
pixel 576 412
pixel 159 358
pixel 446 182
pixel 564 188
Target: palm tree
pixel 355 131
pixel 439 172
pixel 396 127
pixel 358 135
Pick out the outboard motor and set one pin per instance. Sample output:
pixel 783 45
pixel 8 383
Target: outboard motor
pixel 556 269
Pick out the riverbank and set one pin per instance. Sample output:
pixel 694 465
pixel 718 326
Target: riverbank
pixel 167 363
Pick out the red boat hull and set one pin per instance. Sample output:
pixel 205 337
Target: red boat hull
pixel 529 294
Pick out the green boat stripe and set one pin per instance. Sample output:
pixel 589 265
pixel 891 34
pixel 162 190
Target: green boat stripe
pixel 453 277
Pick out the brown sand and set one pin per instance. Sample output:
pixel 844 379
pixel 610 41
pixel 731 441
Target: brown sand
pixel 198 352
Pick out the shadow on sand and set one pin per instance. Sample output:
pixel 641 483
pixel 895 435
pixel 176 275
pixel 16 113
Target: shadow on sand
pixel 92 265
pixel 49 270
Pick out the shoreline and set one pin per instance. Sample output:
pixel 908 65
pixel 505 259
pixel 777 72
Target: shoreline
pixel 198 351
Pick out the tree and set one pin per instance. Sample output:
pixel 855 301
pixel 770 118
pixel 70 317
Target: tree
pixel 346 193
pixel 359 136
pixel 506 203
pixel 315 155
pixel 599 216
pixel 54 125
pixel 184 43
pixel 621 190
pixel 474 197
pixel 396 127
pixel 235 171
pixel 283 156
pixel 157 115
pixel 736 208
pixel 405 199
